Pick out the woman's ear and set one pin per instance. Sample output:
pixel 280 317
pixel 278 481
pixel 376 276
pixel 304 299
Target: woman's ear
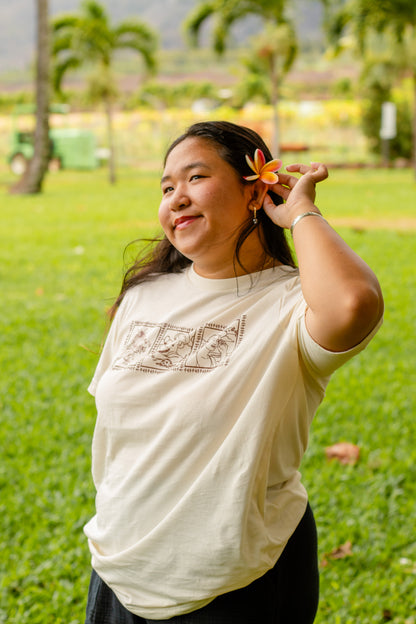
pixel 259 192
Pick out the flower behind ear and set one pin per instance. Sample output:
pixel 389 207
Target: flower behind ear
pixel 264 171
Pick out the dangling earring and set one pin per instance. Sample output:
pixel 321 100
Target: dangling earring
pixel 255 220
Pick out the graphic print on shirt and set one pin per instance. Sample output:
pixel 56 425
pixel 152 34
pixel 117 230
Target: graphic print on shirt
pixel 158 347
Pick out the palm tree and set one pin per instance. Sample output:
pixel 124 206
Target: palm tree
pixel 87 39
pixel 275 50
pixel 272 54
pixel 32 179
pixel 394 19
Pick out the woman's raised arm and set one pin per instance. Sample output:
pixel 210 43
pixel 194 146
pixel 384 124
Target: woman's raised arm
pixel 343 294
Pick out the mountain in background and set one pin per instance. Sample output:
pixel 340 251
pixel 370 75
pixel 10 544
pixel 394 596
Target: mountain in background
pixel 17 24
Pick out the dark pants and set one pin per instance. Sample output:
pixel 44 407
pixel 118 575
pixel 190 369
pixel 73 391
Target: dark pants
pixel 286 594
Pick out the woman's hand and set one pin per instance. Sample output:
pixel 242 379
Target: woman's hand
pixel 297 193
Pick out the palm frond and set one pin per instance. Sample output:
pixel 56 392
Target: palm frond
pixel 148 56
pixel 134 35
pixel 93 10
pixel 87 38
pixel 60 69
pixel 231 12
pixel 60 44
pixel 134 29
pixel 137 27
pixel 195 20
pixel 270 11
pixel 67 20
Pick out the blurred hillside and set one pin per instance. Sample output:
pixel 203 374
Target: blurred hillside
pixel 17 24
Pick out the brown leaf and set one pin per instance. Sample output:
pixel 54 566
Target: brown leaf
pixel 344 452
pixel 345 550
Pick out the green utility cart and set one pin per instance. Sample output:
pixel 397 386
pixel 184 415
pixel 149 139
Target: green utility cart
pixel 70 148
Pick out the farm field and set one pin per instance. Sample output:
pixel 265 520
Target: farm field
pixel 61 262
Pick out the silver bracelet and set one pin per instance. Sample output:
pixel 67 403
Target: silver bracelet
pixel 305 214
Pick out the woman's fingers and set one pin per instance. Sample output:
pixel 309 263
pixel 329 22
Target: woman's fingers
pixel 280 190
pixel 316 170
pixel 319 171
pixel 298 167
pixel 286 180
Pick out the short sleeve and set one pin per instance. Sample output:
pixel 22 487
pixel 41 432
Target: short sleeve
pixel 319 361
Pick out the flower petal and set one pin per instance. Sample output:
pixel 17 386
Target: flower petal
pixel 269 178
pixel 259 160
pixel 272 165
pixel 264 171
pixel 251 163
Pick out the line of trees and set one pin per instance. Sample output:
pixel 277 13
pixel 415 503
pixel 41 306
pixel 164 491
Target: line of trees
pixel 87 38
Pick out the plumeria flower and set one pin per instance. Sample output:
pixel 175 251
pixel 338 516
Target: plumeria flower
pixel 264 171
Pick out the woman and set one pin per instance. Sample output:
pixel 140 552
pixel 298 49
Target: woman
pixel 215 363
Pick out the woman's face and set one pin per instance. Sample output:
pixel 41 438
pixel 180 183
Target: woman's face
pixel 203 206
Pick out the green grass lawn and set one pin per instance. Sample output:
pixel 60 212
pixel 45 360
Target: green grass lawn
pixel 60 267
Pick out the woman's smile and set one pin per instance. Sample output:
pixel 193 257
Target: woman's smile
pixel 184 221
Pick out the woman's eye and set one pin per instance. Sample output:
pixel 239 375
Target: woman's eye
pixel 167 189
pixel 196 176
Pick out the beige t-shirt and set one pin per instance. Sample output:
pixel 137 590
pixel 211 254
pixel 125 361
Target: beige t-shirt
pixel 205 392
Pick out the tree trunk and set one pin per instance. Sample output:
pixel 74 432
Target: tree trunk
pixel 274 98
pixel 32 179
pixel 414 123
pixel 110 138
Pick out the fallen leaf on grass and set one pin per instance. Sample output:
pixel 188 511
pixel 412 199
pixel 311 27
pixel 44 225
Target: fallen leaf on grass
pixel 344 452
pixel 345 550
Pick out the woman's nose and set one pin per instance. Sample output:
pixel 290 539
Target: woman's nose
pixel 179 200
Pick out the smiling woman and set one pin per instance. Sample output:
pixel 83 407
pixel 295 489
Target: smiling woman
pixel 218 356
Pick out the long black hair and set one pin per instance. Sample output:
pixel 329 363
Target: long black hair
pixel 233 142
